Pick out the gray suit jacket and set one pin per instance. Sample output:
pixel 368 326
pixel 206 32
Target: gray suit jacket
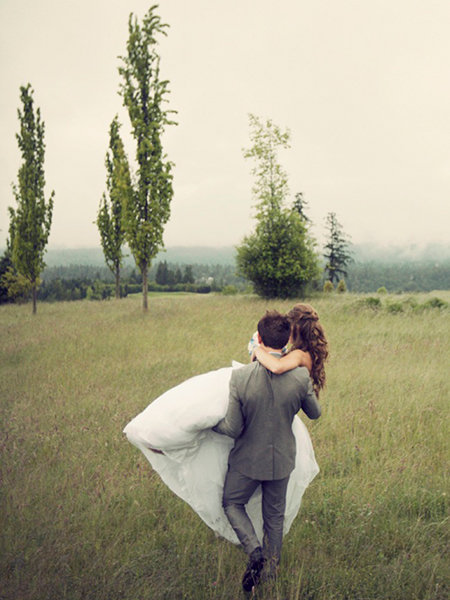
pixel 261 409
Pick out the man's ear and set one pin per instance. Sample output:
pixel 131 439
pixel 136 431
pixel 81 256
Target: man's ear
pixel 259 339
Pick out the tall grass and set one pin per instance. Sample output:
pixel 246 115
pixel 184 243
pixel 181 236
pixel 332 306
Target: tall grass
pixel 84 516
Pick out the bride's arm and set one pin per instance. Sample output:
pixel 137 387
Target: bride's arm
pixel 296 358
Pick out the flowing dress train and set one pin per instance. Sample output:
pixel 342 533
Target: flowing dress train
pixel 195 459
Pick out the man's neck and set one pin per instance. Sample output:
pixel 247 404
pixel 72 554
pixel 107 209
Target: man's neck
pixel 271 350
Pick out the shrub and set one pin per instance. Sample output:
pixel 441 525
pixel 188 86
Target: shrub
pixel 341 287
pixel 370 302
pixel 394 307
pixel 382 290
pixel 229 290
pixel 434 303
pixel 328 287
pixel 411 303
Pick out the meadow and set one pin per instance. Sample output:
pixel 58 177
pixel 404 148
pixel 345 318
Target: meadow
pixel 83 516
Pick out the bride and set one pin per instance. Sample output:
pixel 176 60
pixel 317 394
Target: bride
pixel 174 431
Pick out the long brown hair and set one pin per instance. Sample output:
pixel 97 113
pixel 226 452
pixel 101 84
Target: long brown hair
pixel 307 334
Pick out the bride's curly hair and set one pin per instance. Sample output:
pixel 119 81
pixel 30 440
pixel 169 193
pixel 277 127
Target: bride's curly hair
pixel 307 334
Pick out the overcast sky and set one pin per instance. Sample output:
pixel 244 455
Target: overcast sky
pixel 363 86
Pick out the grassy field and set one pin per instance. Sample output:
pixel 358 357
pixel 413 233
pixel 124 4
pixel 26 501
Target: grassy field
pixel 84 517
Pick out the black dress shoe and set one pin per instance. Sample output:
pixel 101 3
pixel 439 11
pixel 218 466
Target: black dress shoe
pixel 254 569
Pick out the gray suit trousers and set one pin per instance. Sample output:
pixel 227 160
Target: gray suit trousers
pixel 238 490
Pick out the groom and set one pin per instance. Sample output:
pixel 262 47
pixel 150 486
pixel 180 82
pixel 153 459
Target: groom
pixel 261 409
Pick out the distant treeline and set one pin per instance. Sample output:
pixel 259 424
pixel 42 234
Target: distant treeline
pixel 73 282
pixel 76 282
pixel 415 276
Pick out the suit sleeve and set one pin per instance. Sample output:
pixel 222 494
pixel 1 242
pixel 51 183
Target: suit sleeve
pixel 233 422
pixel 310 404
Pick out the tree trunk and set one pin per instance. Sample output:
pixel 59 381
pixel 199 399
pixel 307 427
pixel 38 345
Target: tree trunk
pixel 145 287
pixel 34 293
pixel 117 282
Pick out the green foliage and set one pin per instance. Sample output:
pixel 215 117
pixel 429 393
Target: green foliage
pixel 110 217
pixel 407 276
pixel 328 287
pixel 370 302
pixel 5 266
pixel 229 290
pixel 271 183
pixel 395 305
pixel 16 286
pixel 434 303
pixel 279 257
pixel 336 253
pixel 341 287
pixel 299 206
pixel 144 94
pixel 165 275
pixel 30 221
pixel 382 290
pixel 99 291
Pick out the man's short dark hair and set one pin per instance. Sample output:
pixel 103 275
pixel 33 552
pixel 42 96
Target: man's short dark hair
pixel 274 329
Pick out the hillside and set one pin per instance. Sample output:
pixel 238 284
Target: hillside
pixel 225 255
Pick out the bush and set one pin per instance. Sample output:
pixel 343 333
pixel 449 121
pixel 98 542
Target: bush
pixel 133 288
pixel 411 303
pixel 328 287
pixel 341 287
pixel 229 290
pixel 434 303
pixel 394 307
pixel 382 290
pixel 370 302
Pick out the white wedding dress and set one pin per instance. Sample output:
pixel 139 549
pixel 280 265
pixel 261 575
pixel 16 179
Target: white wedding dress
pixel 195 459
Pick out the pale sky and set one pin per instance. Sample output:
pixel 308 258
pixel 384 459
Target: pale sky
pixel 363 86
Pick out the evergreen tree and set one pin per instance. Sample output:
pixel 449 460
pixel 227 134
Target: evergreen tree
pixel 110 218
pixel 144 94
pixel 279 257
pixel 30 222
pixel 337 250
pixel 299 206
pixel 161 276
pixel 178 276
pixel 6 267
pixel 188 276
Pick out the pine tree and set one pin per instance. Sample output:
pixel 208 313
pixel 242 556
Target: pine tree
pixel 162 271
pixel 144 94
pixel 30 221
pixel 299 206
pixel 188 276
pixel 337 250
pixel 110 217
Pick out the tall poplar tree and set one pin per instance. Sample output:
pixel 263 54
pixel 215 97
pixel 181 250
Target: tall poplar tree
pixel 279 257
pixel 144 94
pixel 110 217
pixel 337 250
pixel 30 221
